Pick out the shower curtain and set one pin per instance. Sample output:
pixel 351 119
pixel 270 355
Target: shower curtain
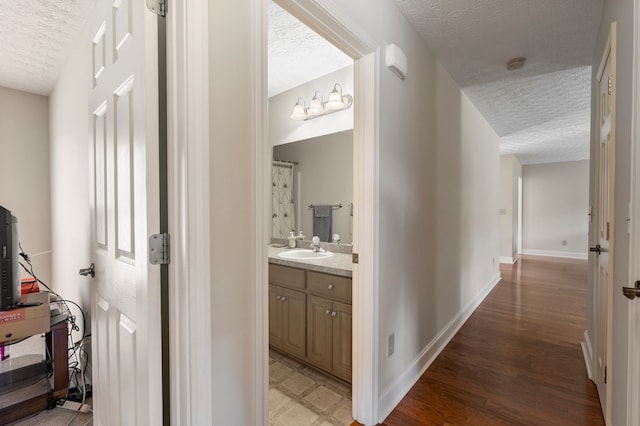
pixel 282 199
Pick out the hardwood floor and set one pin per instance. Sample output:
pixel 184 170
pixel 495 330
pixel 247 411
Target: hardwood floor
pixel 517 360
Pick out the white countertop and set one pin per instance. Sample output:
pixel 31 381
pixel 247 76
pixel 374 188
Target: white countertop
pixel 338 264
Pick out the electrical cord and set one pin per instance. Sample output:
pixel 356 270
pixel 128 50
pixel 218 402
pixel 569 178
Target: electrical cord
pixel 75 348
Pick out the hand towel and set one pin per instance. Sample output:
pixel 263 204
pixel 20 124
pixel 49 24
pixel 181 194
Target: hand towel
pixel 322 222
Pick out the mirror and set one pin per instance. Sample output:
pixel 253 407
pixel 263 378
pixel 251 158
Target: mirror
pixel 313 172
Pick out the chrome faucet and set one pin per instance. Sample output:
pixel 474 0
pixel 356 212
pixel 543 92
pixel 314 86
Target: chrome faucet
pixel 315 245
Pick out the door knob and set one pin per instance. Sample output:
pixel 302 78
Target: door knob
pixel 91 270
pixel 632 292
pixel 596 248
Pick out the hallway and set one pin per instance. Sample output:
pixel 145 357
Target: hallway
pixel 517 360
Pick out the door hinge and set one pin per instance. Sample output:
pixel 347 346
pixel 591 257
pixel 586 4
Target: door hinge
pixel 605 374
pixel 355 258
pixel 159 7
pixel 159 249
pixel 610 85
pixel 607 231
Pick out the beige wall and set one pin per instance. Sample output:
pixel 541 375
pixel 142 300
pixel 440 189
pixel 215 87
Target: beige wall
pixel 69 121
pixel 468 232
pixel 24 162
pixel 621 11
pixel 510 171
pixel 323 175
pixel 555 206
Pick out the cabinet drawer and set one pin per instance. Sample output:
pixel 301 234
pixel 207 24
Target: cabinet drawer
pixel 331 286
pixel 286 276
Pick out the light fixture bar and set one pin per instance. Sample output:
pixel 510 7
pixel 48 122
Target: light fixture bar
pixel 317 108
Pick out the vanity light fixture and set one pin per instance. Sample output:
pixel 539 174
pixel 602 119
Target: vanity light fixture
pixel 317 108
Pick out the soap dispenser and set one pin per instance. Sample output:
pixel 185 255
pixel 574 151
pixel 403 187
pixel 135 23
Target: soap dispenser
pixel 292 239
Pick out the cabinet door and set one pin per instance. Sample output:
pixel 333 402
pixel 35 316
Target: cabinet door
pixel 293 322
pixel 342 341
pixel 275 316
pixel 319 331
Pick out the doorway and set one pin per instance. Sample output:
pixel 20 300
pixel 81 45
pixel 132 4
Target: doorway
pixel 329 23
pixel 310 327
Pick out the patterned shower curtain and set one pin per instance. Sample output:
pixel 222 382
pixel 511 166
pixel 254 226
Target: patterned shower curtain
pixel 282 197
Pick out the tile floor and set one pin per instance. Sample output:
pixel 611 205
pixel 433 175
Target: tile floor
pixel 302 396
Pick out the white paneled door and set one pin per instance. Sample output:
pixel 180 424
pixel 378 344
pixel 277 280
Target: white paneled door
pixel 605 167
pixel 123 113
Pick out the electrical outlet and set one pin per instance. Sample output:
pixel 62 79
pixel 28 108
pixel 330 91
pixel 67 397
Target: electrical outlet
pixel 563 242
pixel 392 338
pixel 494 261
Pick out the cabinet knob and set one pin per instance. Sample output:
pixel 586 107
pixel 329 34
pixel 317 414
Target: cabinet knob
pixel 283 298
pixel 333 314
pixel 277 297
pixel 330 287
pixel 327 312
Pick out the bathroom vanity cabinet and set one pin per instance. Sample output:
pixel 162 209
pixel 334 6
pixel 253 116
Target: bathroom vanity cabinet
pixel 286 320
pixel 310 318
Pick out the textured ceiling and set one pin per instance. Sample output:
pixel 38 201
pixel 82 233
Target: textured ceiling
pixel 298 55
pixel 34 38
pixel 541 112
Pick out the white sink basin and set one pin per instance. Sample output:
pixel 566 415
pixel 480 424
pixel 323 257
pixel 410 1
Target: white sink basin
pixel 303 254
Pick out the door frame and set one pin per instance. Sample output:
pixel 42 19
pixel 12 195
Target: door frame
pixel 190 204
pixel 633 382
pixel 609 52
pixel 330 21
pixel 520 210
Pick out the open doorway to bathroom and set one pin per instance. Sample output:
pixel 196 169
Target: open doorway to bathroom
pixel 310 290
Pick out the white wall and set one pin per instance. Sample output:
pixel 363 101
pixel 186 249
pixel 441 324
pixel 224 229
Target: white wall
pixel 283 129
pixel 233 237
pixel 438 204
pixel 468 230
pixel 621 11
pixel 510 171
pixel 555 206
pixel 324 175
pixel 24 162
pixel 424 219
pixel 70 230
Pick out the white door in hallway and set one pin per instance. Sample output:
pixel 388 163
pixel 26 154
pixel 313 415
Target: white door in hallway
pixel 123 114
pixel 633 388
pixel 605 173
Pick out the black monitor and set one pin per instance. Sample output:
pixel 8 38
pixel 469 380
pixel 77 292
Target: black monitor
pixel 9 273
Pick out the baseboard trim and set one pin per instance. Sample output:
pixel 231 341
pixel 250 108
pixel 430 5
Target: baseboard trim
pixel 555 253
pixel 510 260
pixel 392 396
pixel 587 352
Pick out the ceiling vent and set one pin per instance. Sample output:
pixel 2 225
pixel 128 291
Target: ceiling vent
pixel 515 63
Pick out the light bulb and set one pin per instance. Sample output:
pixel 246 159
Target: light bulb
pixel 335 98
pixel 298 112
pixel 315 106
